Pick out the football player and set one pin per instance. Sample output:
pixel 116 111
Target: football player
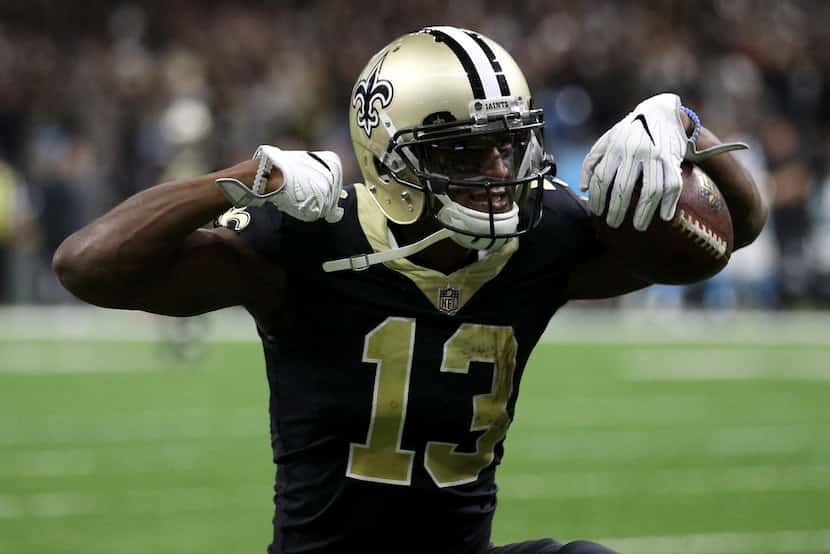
pixel 397 314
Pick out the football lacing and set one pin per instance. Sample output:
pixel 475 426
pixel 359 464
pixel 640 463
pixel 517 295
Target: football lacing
pixel 702 235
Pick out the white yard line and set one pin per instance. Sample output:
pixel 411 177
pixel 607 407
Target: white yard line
pixel 77 359
pixel 100 324
pixel 73 503
pixel 47 505
pixel 665 443
pixel 686 481
pixel 145 426
pixel 572 324
pixel 541 443
pixel 721 364
pixel 678 409
pixel 631 326
pixel 100 460
pixel 773 542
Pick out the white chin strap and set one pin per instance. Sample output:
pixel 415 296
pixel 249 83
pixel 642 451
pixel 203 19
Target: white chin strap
pixel 363 261
pixel 453 214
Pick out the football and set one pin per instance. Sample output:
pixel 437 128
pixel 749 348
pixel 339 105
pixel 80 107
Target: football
pixel 695 245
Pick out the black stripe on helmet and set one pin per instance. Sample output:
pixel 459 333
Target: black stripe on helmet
pixel 464 58
pixel 504 88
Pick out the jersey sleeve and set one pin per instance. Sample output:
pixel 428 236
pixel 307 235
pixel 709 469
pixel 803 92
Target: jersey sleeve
pixel 568 217
pixel 262 228
pixel 282 239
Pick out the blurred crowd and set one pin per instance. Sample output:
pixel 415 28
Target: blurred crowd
pixel 99 100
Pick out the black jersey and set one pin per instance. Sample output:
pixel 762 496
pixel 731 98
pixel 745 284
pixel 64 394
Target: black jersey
pixel 392 388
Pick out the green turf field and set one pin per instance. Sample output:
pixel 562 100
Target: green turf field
pixel 115 447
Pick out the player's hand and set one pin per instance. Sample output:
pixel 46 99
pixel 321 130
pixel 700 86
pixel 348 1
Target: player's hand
pixel 650 140
pixel 311 184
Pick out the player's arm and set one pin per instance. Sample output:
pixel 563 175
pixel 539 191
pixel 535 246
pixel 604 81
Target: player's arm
pixel 602 276
pixel 746 207
pixel 606 276
pixel 150 253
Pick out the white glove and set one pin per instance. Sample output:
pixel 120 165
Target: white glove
pixel 311 184
pixel 652 140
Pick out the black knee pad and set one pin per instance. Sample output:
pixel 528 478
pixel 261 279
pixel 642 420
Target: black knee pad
pixel 585 547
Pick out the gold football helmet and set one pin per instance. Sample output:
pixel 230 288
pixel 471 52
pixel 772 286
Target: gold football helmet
pixel 422 112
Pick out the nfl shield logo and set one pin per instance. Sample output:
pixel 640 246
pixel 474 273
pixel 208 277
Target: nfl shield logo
pixel 449 300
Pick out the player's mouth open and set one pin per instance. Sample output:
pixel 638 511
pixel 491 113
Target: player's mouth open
pixel 476 198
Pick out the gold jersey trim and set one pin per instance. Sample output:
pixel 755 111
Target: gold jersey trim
pixel 468 280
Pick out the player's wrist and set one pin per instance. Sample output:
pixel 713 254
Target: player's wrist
pixel 275 180
pixel 270 176
pixel 246 172
pixel 687 123
pixel 691 123
pixel 243 171
pixel 313 179
pixel 702 144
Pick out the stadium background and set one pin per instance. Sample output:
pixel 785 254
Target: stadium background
pixel 677 419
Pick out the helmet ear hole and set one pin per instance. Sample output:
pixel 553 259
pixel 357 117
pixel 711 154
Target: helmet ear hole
pixel 382 171
pixel 385 174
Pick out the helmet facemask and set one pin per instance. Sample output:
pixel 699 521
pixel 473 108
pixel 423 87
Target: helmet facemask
pixel 476 173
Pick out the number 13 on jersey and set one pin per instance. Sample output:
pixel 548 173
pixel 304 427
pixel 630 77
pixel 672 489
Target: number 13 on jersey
pixel 390 347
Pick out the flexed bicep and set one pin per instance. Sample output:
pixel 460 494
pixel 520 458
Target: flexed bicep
pixel 214 269
pixel 152 253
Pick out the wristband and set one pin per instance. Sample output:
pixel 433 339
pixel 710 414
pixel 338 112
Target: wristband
pixel 696 120
pixel 263 173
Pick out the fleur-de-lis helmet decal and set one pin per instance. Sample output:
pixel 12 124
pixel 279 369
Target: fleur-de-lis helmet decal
pixel 367 92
